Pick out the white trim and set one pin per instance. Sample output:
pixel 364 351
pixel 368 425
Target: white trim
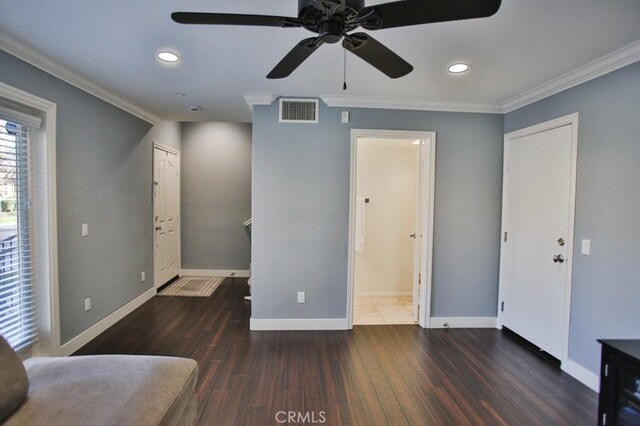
pixel 20 117
pixel 166 148
pixel 253 99
pixel 383 293
pixel 462 322
pixel 411 104
pixel 238 273
pixel 95 330
pixel 604 65
pixel 49 343
pixel 429 148
pixel 573 120
pixel 584 375
pixel 259 324
pixel 39 60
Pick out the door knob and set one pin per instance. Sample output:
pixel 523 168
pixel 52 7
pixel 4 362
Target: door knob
pixel 558 258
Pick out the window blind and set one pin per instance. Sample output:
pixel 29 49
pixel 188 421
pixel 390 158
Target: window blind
pixel 18 303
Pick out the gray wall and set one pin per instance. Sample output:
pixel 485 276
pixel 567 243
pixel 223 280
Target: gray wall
pixel 301 209
pixel 167 133
pixel 215 195
pixel 103 179
pixel 605 301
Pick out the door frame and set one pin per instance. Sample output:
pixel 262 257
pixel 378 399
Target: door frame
pixel 573 120
pixel 153 212
pixel 429 168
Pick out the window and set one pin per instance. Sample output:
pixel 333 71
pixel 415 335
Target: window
pixel 18 303
pixel 29 308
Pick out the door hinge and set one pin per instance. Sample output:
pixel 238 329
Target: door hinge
pixel 419 277
pixel 502 307
pixel 606 370
pixel 505 236
pixel 604 418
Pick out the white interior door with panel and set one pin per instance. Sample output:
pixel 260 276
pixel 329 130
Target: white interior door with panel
pixel 537 239
pixel 420 226
pixel 166 210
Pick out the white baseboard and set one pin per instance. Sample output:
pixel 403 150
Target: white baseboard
pixel 258 324
pixel 239 273
pixel 582 374
pixel 92 332
pixel 383 293
pixel 463 322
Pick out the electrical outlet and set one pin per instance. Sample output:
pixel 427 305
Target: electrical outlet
pixel 301 297
pixel 142 277
pixel 87 304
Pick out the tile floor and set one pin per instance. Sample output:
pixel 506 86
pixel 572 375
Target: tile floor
pixel 380 310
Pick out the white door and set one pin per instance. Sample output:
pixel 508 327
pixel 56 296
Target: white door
pixel 166 209
pixel 536 232
pixel 420 220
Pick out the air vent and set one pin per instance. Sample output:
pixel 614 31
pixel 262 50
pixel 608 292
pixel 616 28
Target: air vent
pixel 298 110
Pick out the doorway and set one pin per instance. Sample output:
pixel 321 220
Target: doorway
pixel 166 214
pixel 391 227
pixel 536 257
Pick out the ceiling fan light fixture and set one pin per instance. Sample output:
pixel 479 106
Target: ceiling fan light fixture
pixel 167 56
pixel 458 68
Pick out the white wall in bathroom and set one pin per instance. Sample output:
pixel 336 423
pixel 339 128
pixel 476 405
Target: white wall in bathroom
pixel 387 175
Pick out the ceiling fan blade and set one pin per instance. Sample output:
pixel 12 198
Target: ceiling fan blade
pixel 375 53
pixel 233 19
pixel 416 12
pixel 295 57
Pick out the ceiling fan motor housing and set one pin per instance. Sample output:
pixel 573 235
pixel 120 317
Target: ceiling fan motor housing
pixel 328 18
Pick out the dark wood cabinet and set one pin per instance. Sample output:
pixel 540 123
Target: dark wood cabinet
pixel 619 383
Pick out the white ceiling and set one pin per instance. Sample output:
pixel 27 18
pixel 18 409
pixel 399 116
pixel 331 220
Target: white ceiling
pixel 113 43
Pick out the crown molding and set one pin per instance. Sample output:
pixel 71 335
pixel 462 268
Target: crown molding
pixel 604 65
pixel 33 57
pixel 253 99
pixel 411 104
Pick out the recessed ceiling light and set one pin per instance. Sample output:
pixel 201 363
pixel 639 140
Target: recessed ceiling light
pixel 167 56
pixel 458 68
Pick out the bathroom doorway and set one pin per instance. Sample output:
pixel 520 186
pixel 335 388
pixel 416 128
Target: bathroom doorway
pixel 391 225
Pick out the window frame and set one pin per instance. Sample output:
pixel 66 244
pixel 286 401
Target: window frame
pixel 43 142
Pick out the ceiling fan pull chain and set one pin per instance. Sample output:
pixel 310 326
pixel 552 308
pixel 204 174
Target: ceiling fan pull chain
pixel 344 80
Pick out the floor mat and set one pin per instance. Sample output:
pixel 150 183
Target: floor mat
pixel 192 287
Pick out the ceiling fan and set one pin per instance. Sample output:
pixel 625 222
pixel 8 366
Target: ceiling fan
pixel 333 20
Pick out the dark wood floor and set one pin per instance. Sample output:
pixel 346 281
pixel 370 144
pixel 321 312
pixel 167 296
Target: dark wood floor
pixel 373 375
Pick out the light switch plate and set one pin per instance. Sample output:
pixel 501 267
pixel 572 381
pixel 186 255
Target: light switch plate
pixel 345 116
pixel 586 247
pixel 301 297
pixel 142 276
pixel 87 304
pixel 85 229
